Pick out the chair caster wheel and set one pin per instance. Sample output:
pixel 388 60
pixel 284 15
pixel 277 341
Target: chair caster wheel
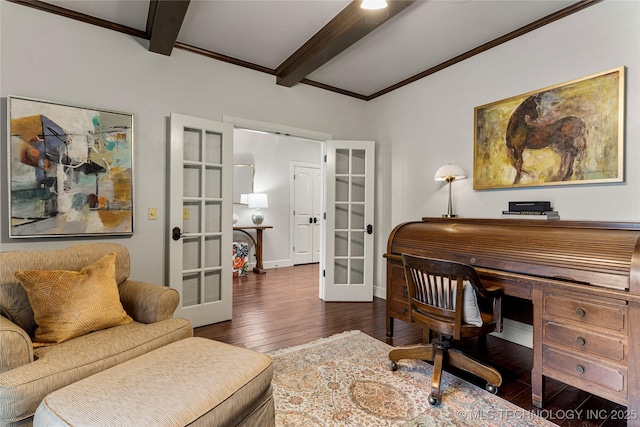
pixel 491 389
pixel 394 366
pixel 433 401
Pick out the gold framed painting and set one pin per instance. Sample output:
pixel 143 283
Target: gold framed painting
pixel 70 170
pixel 571 133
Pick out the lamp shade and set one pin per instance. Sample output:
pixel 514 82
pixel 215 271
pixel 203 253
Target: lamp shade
pixel 258 200
pixel 450 172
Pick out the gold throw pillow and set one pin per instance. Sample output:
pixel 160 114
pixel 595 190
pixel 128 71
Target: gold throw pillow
pixel 67 304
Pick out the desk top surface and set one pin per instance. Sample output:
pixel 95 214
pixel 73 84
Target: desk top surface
pixel 251 227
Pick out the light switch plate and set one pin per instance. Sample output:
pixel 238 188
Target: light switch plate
pixel 153 213
pixel 186 214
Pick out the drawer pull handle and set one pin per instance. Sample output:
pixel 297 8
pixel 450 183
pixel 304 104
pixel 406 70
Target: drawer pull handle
pixel 405 309
pixel 580 312
pixel 580 369
pixel 581 341
pixel 405 291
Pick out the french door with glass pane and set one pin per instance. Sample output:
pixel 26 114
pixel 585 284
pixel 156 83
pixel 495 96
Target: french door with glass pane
pixel 200 223
pixel 348 228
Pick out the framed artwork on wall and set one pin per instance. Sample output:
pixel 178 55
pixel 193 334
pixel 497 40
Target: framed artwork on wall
pixel 571 133
pixel 70 170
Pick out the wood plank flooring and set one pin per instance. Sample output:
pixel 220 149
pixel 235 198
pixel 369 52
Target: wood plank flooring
pixel 282 308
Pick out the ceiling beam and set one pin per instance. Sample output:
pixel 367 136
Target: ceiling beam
pixel 47 7
pixel 345 29
pixel 163 24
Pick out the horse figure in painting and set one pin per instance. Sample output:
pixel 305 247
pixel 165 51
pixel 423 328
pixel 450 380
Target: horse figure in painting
pixel 566 136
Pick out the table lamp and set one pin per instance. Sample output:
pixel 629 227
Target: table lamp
pixel 257 201
pixel 450 173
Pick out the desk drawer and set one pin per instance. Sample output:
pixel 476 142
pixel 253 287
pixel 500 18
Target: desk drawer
pixel 611 378
pixel 399 290
pixel 590 313
pixel 583 341
pixel 400 309
pixel 396 272
pixel 397 283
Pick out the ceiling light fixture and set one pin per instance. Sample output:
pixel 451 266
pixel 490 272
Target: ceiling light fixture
pixel 373 4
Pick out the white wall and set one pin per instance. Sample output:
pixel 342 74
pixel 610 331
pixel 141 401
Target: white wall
pixel 429 123
pixel 272 154
pixel 53 58
pixel 418 128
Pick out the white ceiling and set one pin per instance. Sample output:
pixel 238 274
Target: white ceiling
pixel 266 32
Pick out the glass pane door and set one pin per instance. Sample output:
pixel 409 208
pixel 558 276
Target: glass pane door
pixel 349 225
pixel 201 171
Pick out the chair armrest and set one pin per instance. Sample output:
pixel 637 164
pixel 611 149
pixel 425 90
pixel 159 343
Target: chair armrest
pixel 489 293
pixel 147 303
pixel 17 348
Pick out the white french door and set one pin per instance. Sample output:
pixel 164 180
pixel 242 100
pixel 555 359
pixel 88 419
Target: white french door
pixel 347 262
pixel 200 211
pixel 307 192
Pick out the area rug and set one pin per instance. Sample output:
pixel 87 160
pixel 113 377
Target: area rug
pixel 345 380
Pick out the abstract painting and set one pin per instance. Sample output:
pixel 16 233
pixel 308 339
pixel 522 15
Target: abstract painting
pixel 571 133
pixel 70 170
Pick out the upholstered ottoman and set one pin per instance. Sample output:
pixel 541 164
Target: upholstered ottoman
pixel 194 382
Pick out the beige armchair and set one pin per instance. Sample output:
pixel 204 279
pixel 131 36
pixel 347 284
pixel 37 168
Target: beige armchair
pixel 28 374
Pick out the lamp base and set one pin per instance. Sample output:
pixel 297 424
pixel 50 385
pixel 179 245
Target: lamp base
pixel 257 218
pixel 449 216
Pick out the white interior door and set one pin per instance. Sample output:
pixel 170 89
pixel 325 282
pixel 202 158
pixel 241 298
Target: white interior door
pixel 347 262
pixel 306 213
pixel 200 218
pixel 317 213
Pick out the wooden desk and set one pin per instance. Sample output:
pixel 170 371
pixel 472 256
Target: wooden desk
pixel 257 243
pixel 582 277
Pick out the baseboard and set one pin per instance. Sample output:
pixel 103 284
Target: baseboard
pixel 516 332
pixel 380 292
pixel 274 264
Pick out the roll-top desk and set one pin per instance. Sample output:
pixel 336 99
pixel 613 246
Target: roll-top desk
pixel 583 279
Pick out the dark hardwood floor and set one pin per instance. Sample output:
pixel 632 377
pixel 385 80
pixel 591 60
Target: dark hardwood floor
pixel 282 308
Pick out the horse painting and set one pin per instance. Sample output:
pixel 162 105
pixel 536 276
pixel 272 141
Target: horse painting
pixel 566 136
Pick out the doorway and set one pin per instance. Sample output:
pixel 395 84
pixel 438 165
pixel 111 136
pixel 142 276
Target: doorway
pixel 346 252
pixel 272 155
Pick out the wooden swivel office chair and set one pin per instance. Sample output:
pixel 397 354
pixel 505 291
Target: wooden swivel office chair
pixel 438 291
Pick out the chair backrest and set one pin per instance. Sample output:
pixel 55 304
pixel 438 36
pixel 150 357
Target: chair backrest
pixel 436 292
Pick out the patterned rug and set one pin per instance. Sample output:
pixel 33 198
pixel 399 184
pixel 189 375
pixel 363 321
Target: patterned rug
pixel 345 380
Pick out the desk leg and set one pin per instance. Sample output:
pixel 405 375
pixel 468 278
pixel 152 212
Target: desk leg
pixel 257 246
pixel 258 268
pixel 537 379
pixel 537 390
pixel 633 405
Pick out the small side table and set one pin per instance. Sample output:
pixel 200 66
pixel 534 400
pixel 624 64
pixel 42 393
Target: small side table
pixel 257 243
